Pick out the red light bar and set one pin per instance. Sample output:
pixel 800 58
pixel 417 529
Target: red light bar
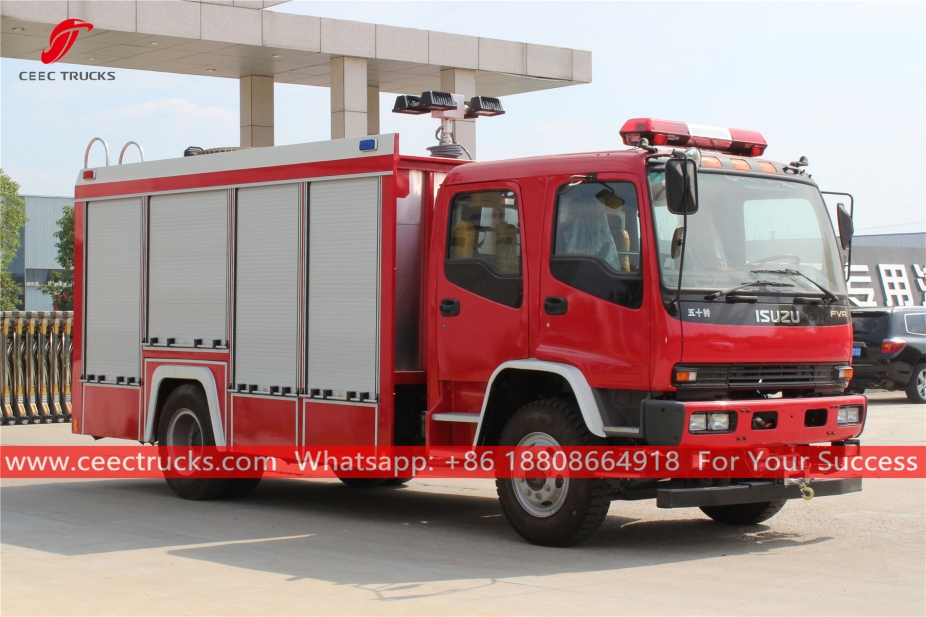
pixel 89 174
pixel 670 133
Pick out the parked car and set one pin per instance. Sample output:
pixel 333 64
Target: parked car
pixel 889 351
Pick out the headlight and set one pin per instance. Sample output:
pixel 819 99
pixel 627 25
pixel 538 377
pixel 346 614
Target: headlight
pixel 710 422
pixel 718 422
pixel 848 415
pixel 698 422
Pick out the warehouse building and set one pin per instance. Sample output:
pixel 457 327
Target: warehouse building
pixel 37 257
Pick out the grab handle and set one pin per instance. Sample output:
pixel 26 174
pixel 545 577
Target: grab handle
pixel 126 146
pixel 90 145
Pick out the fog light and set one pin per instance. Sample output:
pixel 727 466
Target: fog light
pixel 718 422
pixel 697 422
pixel 848 415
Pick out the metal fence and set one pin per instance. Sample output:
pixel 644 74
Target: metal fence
pixel 35 372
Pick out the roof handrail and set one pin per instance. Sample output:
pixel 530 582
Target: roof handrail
pixel 125 147
pixel 90 145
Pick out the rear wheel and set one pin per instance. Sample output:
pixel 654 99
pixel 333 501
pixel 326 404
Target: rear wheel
pixel 185 422
pixel 916 389
pixel 555 510
pixel 744 513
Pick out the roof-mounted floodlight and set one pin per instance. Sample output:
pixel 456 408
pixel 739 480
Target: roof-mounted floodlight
pixel 431 100
pixel 408 104
pixel 483 106
pixel 437 101
pixel 447 107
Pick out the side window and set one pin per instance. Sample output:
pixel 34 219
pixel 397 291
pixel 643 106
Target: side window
pixel 484 246
pixel 596 244
pixel 916 323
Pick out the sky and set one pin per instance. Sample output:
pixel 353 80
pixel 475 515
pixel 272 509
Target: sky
pixel 841 83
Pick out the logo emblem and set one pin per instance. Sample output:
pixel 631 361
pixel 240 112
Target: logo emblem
pixel 62 38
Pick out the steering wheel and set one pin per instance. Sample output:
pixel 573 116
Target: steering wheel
pixel 795 259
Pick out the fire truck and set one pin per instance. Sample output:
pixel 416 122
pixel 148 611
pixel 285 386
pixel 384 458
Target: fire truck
pixel 682 292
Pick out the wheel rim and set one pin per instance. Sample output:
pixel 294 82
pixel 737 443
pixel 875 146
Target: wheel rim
pixel 921 383
pixel 541 497
pixel 184 429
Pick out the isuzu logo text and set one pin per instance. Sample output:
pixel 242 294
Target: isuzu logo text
pixel 62 39
pixel 770 316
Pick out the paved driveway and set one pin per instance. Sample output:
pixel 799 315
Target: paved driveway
pixel 295 547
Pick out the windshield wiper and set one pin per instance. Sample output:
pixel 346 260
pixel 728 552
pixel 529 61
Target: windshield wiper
pixel 829 294
pixel 757 283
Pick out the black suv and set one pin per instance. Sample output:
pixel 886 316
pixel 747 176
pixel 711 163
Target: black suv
pixel 890 350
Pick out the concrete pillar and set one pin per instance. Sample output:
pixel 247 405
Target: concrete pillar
pixel 461 81
pixel 348 97
pixel 372 110
pixel 256 111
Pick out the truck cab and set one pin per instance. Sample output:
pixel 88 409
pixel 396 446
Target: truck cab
pixel 569 301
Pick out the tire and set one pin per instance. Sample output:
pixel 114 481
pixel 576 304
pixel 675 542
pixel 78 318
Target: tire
pixel 363 482
pixel 744 513
pixel 397 481
pixel 916 389
pixel 185 422
pixel 574 508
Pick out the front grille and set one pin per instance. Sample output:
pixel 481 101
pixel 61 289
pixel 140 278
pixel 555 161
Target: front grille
pixel 763 377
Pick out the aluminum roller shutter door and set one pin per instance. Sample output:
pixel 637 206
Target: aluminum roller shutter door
pixel 344 285
pixel 113 285
pixel 188 267
pixel 267 286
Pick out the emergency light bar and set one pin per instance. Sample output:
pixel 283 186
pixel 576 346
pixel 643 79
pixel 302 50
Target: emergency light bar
pixel 670 133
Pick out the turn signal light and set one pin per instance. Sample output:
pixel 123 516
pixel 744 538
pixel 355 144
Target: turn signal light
pixel 892 345
pixel 686 376
pixel 845 372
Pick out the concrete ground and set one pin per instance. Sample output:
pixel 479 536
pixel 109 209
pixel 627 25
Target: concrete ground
pixel 129 547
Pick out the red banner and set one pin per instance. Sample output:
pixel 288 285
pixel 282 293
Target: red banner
pixel 94 462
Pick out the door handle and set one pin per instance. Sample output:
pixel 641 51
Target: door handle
pixel 555 305
pixel 449 307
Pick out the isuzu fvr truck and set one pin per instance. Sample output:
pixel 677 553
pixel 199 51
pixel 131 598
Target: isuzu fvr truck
pixel 682 292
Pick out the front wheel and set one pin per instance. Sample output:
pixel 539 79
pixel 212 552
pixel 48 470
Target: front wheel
pixel 916 389
pixel 553 509
pixel 744 513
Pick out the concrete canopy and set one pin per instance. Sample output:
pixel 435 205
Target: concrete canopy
pixel 234 39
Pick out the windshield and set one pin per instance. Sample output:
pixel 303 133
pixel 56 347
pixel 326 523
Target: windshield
pixel 745 224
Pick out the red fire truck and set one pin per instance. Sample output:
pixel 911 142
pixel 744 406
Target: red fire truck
pixel 684 291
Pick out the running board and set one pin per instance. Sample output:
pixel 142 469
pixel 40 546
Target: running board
pixel 455 416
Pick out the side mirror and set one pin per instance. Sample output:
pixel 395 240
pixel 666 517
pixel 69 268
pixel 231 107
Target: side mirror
pixel 681 186
pixel 846 228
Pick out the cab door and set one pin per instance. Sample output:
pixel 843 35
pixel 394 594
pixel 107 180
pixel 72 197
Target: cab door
pixel 481 287
pixel 591 311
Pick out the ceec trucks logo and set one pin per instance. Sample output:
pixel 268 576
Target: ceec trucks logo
pixel 62 39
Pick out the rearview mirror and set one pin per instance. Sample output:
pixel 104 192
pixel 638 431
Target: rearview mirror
pixel 681 186
pixel 846 228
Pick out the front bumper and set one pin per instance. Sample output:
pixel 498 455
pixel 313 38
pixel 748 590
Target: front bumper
pixel 665 423
pixel 750 492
